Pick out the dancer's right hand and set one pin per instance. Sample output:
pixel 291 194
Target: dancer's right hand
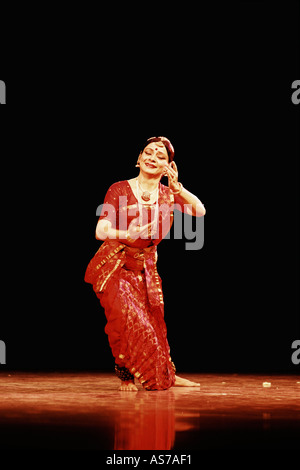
pixel 135 231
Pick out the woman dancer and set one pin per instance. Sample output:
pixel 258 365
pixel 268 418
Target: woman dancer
pixel 136 215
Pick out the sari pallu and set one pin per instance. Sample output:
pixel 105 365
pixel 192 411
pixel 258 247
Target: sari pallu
pixel 126 281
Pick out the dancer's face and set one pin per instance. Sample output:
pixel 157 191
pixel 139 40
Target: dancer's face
pixel 154 158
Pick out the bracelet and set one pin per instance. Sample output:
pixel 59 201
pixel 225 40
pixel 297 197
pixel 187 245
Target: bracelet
pixel 179 190
pixel 123 374
pixel 130 240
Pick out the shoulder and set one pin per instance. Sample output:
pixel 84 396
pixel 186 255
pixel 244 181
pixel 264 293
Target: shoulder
pixel 118 187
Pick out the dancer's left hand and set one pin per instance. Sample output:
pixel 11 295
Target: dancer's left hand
pixel 171 172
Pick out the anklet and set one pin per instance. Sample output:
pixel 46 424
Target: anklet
pixel 123 374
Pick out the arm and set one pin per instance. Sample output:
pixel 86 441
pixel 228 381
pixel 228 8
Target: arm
pixel 107 221
pixel 187 202
pixel 104 230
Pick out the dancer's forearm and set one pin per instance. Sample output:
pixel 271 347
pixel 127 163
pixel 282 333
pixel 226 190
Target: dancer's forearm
pixel 186 198
pixel 104 230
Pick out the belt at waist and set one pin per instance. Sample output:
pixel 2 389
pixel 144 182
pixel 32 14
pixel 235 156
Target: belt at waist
pixel 135 257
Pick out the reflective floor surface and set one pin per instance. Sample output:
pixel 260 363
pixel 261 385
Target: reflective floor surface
pixel 86 411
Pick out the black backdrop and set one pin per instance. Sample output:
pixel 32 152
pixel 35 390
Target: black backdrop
pixel 217 82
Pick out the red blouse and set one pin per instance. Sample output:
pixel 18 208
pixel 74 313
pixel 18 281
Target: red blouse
pixel 121 207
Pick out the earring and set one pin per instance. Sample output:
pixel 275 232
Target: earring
pixel 138 164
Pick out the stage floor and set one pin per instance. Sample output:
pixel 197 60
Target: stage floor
pixel 86 411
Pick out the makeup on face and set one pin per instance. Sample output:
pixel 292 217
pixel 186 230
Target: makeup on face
pixel 158 151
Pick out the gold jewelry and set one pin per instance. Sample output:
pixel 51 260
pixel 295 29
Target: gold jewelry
pixel 140 205
pixel 146 196
pixel 179 191
pixel 130 240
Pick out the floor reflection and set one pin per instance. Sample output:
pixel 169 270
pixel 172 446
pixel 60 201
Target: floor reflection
pixel 87 411
pixel 147 421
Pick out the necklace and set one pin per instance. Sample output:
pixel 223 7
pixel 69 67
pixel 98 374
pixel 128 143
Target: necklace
pixel 140 205
pixel 146 196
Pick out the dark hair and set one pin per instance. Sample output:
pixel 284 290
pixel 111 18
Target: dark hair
pixel 169 147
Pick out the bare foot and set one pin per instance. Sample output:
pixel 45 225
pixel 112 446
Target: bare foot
pixel 179 382
pixel 128 386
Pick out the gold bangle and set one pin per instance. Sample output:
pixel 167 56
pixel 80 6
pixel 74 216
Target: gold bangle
pixel 130 240
pixel 179 190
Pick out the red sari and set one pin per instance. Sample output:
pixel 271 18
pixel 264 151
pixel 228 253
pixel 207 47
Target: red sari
pixel 126 281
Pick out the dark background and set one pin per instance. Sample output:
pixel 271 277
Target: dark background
pixel 216 80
